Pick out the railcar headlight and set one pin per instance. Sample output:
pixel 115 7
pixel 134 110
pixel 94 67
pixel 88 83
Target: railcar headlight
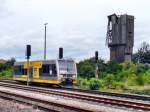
pixel 74 76
pixel 61 76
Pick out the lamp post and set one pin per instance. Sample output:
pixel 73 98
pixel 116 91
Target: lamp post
pixel 45 43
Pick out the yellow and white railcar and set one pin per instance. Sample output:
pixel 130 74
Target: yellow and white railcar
pixel 59 71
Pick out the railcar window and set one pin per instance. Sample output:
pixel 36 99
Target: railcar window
pixel 67 66
pixel 53 69
pixel 24 71
pixel 48 70
pixel 45 68
pixel 19 70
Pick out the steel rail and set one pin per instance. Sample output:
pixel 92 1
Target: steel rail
pixel 121 95
pixel 99 99
pixel 45 104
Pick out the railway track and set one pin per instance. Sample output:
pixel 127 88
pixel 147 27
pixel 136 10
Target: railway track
pixel 44 104
pixel 121 95
pixel 87 97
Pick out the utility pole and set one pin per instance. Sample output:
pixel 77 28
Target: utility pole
pixel 45 43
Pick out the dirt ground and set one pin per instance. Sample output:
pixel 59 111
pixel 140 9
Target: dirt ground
pixel 12 106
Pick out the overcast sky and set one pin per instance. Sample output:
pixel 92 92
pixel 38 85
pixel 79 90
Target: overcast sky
pixel 79 26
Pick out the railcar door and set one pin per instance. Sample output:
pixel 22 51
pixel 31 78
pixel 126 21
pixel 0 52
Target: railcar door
pixel 36 66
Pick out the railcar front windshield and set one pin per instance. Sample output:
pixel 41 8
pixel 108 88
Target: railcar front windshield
pixel 67 67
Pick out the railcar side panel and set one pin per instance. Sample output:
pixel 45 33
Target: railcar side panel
pixel 47 71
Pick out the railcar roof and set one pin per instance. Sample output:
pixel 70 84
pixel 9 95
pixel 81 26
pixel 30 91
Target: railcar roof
pixel 44 61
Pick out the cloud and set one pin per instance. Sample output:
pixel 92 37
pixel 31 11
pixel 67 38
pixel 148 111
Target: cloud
pixel 77 25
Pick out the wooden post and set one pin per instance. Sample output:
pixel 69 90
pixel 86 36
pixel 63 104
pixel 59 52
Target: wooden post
pixel 96 71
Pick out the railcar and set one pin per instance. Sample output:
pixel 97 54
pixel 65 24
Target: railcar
pixel 58 71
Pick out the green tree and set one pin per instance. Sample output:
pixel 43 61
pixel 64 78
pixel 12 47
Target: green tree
pixel 113 67
pixel 143 54
pixel 86 68
pixel 87 71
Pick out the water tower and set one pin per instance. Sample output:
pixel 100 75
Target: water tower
pixel 120 37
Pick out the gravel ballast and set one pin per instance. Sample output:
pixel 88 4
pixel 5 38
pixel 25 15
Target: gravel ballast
pixel 59 100
pixel 12 106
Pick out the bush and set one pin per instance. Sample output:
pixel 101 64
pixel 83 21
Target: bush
pixel 114 75
pixel 122 76
pixel 140 80
pixel 129 66
pixel 108 80
pixel 146 77
pixel 113 67
pixel 132 80
pixel 118 85
pixel 140 68
pixel 84 83
pixel 94 84
pixel 6 74
pixel 126 65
